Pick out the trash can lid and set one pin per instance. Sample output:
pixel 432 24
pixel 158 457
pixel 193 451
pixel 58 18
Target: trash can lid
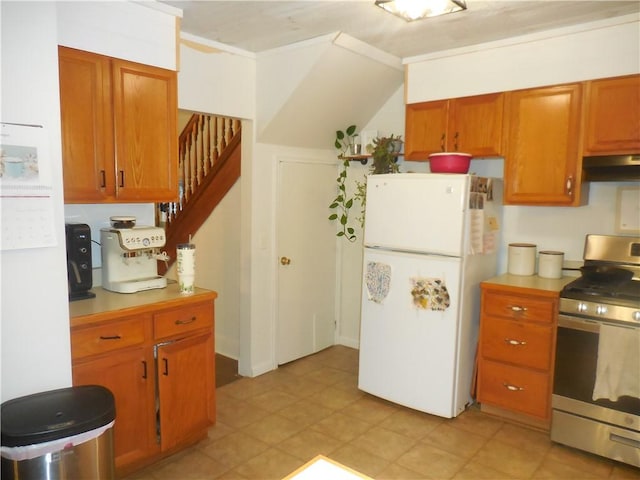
pixel 46 416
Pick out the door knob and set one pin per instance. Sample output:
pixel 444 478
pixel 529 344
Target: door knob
pixel 285 260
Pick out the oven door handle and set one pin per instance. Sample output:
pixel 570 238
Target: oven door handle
pixel 579 324
pixel 589 325
pixel 624 440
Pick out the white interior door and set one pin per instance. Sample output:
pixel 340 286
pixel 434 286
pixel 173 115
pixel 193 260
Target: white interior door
pixel 307 259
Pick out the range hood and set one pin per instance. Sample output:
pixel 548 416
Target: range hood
pixel 611 168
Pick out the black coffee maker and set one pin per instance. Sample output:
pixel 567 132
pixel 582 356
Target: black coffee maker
pixel 79 266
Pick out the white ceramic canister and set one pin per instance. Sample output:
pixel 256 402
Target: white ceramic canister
pixel 550 264
pixel 522 259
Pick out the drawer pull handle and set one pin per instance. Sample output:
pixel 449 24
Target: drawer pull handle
pixel 186 322
pixel 144 369
pixel 513 388
pixel 517 308
pixel 511 341
pixel 110 337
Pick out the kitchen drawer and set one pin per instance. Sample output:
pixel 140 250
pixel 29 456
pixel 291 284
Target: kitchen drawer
pixel 513 388
pixel 108 337
pixel 519 343
pixel 185 319
pixel 518 307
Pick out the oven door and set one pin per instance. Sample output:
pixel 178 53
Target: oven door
pixel 575 374
pixel 603 427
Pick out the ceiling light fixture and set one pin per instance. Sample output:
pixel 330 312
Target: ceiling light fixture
pixel 416 9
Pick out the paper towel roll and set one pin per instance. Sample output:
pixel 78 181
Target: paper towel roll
pixel 522 259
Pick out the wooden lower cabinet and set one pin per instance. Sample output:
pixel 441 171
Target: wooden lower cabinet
pixel 159 362
pixel 129 376
pixel 516 352
pixel 178 362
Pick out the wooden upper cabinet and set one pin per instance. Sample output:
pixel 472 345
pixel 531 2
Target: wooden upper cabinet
pixel 425 126
pixel 475 125
pixel 542 146
pixel 612 116
pixel 468 124
pixel 87 126
pixel 119 134
pixel 145 117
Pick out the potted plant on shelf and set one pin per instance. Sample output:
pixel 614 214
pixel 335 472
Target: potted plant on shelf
pixel 343 202
pixel 385 154
pixel 385 157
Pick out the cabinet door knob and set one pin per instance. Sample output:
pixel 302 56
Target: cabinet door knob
pixel 517 308
pixel 512 388
pixel 285 260
pixel 511 341
pixel 570 186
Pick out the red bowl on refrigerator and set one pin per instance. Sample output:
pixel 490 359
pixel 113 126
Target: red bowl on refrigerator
pixel 449 162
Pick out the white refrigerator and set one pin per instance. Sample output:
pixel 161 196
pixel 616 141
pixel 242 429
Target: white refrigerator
pixel 429 240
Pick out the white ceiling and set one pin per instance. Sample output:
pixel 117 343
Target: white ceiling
pixel 256 26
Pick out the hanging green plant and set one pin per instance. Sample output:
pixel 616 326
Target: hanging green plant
pixel 343 203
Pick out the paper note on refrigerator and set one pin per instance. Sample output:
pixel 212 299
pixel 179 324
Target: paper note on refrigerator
pixel 429 294
pixel 378 281
pixel 476 232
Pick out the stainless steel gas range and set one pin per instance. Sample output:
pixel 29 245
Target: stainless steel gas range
pixel 596 404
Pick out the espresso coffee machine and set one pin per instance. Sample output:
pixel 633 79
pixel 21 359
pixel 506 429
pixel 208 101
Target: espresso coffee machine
pixel 130 257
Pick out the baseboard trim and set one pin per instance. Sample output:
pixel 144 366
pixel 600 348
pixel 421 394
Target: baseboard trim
pixel 348 342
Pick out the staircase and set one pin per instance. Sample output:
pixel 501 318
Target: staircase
pixel 208 166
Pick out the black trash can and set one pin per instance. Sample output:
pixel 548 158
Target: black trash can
pixel 64 434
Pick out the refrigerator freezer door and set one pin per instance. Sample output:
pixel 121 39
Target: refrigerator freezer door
pixel 408 354
pixel 417 212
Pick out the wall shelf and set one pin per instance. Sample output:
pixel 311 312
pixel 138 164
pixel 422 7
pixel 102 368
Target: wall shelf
pixel 364 159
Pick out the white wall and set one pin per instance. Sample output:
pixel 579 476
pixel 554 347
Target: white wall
pixel 35 353
pixel 214 81
pixel 138 32
pixel 601 49
pixel 222 82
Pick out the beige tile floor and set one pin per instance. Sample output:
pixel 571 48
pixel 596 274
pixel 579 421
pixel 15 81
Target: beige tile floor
pixel 270 425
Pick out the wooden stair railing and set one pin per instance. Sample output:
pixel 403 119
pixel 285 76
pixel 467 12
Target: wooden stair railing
pixel 209 165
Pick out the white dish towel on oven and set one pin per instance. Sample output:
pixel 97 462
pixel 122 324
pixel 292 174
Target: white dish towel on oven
pixel 618 367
